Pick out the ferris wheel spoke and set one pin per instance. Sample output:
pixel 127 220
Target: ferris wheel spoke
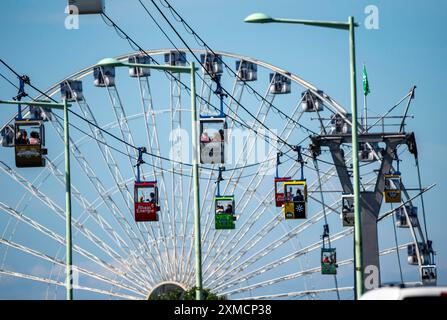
pixel 59 239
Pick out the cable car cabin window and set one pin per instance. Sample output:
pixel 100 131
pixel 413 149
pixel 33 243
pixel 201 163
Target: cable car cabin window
pixel 429 275
pixel 224 213
pixel 146 201
pixel 246 71
pixel 104 76
pixel 7 136
pixel 295 199
pixel 212 140
pixel 29 142
pixel 347 210
pixel 328 261
pixel 71 90
pixel 138 71
pixel 392 191
pixel 401 216
pixel 279 191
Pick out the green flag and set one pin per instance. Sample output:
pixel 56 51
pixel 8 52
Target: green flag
pixel 365 82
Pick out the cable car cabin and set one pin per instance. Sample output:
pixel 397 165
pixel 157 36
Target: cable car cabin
pixel 175 58
pixel 104 76
pixel 7 136
pixel 212 63
pixel 224 213
pixel 339 125
pixel 86 6
pixel 247 71
pixel 280 84
pixel 423 251
pixel 136 72
pixel 328 261
pixel 347 210
pixel 71 90
pixel 401 216
pixel 279 191
pixel 310 102
pixel 29 143
pixel 295 199
pixel 429 275
pixel 146 201
pixel 212 140
pixel 392 191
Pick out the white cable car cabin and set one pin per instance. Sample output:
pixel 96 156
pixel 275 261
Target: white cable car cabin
pixel 7 136
pixel 412 254
pixel 392 191
pixel 212 140
pixel 401 216
pixel 71 90
pixel 347 210
pixel 280 84
pixel 366 153
pixel 104 76
pixel 212 63
pixel 295 199
pixel 339 125
pixel 429 275
pixel 224 217
pixel 310 101
pixel 175 58
pixel 139 72
pixel 29 143
pixel 246 71
pixel 86 6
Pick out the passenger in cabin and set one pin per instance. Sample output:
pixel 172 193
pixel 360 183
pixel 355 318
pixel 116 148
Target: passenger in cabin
pixel 288 196
pixel 325 259
pixel 141 199
pixel 152 197
pixel 299 196
pixel 205 137
pixel 219 209
pixel 22 137
pixel 34 138
pixel 217 137
pixel 229 209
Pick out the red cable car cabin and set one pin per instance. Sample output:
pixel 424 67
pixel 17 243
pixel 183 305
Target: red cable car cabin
pixel 146 201
pixel 279 191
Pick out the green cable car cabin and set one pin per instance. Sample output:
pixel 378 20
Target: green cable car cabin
pixel 224 213
pixel 29 143
pixel 328 261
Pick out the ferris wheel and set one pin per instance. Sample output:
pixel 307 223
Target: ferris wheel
pixel 276 220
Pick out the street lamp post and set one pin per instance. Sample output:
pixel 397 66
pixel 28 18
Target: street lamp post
pixel 349 26
pixel 68 238
pixel 195 152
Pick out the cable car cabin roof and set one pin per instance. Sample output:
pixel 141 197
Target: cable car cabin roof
pixel 28 122
pixel 146 184
pixel 224 198
pixel 295 182
pixel 213 118
pixel 392 175
pixel 278 179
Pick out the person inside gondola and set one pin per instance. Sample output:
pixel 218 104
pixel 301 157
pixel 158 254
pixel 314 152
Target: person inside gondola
pixel 298 197
pixel 205 137
pixel 22 137
pixel 325 259
pixel 217 137
pixel 34 138
pixel 152 197
pixel 229 209
pixel 219 209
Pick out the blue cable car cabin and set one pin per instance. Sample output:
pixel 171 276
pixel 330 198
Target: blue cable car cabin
pixel 280 84
pixel 212 140
pixel 224 216
pixel 71 90
pixel 146 201
pixel 29 143
pixel 392 191
pixel 7 136
pixel 295 199
pixel 246 71
pixel 328 261
pixel 139 72
pixel 104 76
pixel 212 63
pixel 310 102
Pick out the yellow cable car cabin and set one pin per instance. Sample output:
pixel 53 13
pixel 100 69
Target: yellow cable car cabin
pixel 295 199
pixel 29 143
pixel 392 191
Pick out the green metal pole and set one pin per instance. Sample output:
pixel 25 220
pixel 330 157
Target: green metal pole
pixel 195 174
pixel 68 206
pixel 355 167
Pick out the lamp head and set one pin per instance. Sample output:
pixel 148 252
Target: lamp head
pixel 258 18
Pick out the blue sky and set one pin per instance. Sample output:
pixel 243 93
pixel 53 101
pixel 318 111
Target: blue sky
pixel 409 48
